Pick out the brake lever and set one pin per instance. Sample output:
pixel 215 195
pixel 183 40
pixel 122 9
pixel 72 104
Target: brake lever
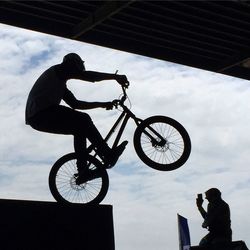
pixel 126 85
pixel 115 103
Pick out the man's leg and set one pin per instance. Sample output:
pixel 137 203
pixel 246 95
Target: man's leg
pixel 111 156
pixel 206 240
pixel 63 120
pixel 80 146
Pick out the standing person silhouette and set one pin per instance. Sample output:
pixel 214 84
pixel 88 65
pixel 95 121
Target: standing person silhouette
pixel 45 113
pixel 216 218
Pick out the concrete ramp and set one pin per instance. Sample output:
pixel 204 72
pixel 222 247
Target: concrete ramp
pixel 36 225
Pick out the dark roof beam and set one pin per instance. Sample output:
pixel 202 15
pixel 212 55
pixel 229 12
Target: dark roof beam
pixel 206 10
pixel 179 31
pixel 107 10
pixel 75 3
pixel 193 19
pixel 194 27
pixel 238 71
pixel 137 46
pixel 24 13
pixel 234 61
pixel 62 8
pixel 233 8
pixel 163 35
pixel 167 44
pixel 28 9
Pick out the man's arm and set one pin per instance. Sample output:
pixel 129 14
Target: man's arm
pixel 70 99
pixel 202 211
pixel 93 76
pixel 200 208
pixel 93 105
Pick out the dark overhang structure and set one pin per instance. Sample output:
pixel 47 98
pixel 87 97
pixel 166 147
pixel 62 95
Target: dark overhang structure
pixel 211 35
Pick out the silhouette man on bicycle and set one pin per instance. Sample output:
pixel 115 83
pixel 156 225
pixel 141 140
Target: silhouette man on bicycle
pixel 44 112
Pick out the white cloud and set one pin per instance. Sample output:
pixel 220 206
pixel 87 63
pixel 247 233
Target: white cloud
pixel 214 109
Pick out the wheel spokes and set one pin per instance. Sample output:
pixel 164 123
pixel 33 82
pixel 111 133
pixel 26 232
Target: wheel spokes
pixel 163 150
pixel 70 191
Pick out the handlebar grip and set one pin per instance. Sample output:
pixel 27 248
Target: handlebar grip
pixel 115 103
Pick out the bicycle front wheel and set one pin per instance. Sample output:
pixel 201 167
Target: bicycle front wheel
pixel 62 181
pixel 162 143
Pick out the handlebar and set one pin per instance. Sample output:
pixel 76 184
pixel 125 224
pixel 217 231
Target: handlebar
pixel 122 99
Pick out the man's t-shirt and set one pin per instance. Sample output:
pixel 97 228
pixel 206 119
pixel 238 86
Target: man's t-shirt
pixel 47 91
pixel 218 217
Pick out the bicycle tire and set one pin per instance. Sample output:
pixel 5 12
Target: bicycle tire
pixel 175 151
pixel 64 188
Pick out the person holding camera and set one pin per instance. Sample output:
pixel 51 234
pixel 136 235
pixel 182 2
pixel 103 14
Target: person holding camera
pixel 216 218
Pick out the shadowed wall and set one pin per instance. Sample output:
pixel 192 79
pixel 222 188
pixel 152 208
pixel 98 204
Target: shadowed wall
pixel 33 225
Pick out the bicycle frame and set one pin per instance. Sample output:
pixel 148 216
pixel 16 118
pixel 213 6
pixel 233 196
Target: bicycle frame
pixel 122 122
pixel 66 182
pixel 123 119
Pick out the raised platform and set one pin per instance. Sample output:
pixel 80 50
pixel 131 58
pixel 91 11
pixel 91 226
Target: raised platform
pixel 36 225
pixel 235 245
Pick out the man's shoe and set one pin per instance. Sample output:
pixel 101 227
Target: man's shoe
pixel 113 157
pixel 86 175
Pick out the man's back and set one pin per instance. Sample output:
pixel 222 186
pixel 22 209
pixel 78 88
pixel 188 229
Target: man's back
pixel 218 217
pixel 47 91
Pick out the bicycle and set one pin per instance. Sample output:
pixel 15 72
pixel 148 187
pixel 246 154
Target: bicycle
pixel 161 142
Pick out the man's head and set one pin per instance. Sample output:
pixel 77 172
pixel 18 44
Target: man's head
pixel 73 63
pixel 213 194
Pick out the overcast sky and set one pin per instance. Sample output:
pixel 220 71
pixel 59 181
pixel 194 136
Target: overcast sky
pixel 212 107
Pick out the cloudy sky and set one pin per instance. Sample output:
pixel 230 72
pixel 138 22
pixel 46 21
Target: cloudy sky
pixel 213 108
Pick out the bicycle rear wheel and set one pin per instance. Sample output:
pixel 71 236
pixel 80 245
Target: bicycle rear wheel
pixel 62 181
pixel 162 143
